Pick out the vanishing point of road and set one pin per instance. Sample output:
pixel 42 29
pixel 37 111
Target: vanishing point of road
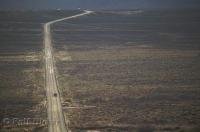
pixel 56 120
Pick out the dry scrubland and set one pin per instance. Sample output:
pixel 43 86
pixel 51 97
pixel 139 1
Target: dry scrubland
pixel 118 71
pixel 130 72
pixel 22 93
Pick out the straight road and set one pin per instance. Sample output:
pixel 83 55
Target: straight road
pixel 56 122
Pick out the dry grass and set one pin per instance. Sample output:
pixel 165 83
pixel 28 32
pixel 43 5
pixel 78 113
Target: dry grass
pixel 129 52
pixel 130 73
pixel 129 86
pixel 28 57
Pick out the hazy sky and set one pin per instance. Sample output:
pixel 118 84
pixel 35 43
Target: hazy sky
pixel 97 4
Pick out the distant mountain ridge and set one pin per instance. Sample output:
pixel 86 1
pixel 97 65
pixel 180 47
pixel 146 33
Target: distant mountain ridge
pixel 97 4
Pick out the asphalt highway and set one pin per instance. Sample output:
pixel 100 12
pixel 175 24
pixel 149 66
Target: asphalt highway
pixel 56 120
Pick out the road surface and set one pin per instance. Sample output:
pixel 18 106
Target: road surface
pixel 56 121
